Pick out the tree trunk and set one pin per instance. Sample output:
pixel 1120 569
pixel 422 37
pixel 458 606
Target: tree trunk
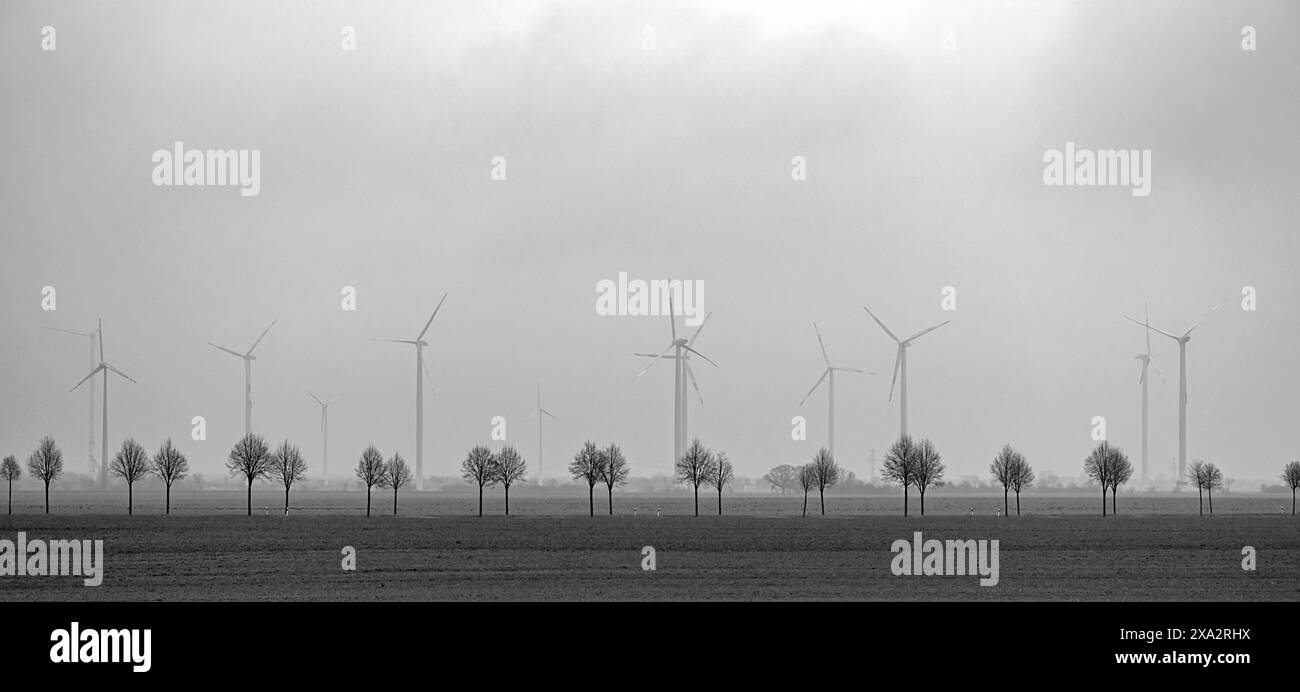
pixel 611 500
pixel 1103 500
pixel 480 499
pixel 47 497
pixel 507 501
pixel 905 500
pixel 286 500
pixel 1017 503
pixel 719 501
pixel 805 503
pixel 250 498
pixel 394 500
pixel 130 500
pixel 822 492
pixel 1006 507
pixel 1113 492
pixel 11 499
pixel 591 499
pixel 697 500
pixel 367 500
pixel 1200 500
pixel 1209 493
pixel 168 504
pixel 922 501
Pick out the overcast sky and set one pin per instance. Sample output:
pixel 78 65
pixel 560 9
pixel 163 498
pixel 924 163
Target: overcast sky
pixel 924 170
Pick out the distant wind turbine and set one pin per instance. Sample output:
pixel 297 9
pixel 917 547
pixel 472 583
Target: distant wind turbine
pixel 90 447
pixel 105 368
pixel 325 436
pixel 1146 359
pixel 1182 384
pixel 680 348
pixel 248 359
pixel 419 343
pixel 540 413
pixel 900 363
pixel 829 375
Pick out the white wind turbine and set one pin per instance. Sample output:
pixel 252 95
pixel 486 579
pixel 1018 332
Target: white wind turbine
pixel 1146 359
pixel 680 348
pixel 105 368
pixel 900 363
pixel 829 375
pixel 540 413
pixel 419 343
pixel 1182 384
pixel 325 436
pixel 90 447
pixel 248 359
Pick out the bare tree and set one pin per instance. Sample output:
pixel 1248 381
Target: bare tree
pixel 1213 481
pixel 826 473
pixel 614 471
pixel 287 466
pixel 250 458
pixel 1003 470
pixel 1196 476
pixel 170 465
pixel 588 465
pixel 10 472
pixel 1100 467
pixel 371 471
pixel 1022 477
pixel 510 468
pixel 479 467
pixel 131 463
pixel 929 469
pixel 807 479
pixel 695 467
pixel 900 465
pixel 46 463
pixel 723 473
pixel 1291 476
pixel 784 477
pixel 396 475
pixel 1123 470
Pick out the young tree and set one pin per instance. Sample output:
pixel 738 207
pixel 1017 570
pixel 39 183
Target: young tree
pixel 287 466
pixel 1213 481
pixel 1003 470
pixel 1100 467
pixel 10 472
pixel 1022 477
pixel 1291 476
pixel 396 474
pixel 371 471
pixel 588 465
pixel 900 465
pixel 929 469
pixel 614 471
pixel 723 473
pixel 826 473
pixel 170 465
pixel 1196 476
pixel 1123 470
pixel 784 477
pixel 131 463
pixel 46 463
pixel 250 458
pixel 479 467
pixel 696 467
pixel 510 469
pixel 807 479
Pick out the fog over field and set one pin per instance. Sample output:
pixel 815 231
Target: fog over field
pixel 924 171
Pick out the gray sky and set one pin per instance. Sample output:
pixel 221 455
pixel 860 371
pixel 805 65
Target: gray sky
pixel 924 171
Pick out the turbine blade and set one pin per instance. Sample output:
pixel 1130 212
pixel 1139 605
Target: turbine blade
pixel 923 332
pixel 1207 316
pixel 113 369
pixel 882 324
pixel 860 372
pixel 822 344
pixel 69 331
pixel 396 341
pixel 688 348
pixel 100 329
pixel 643 370
pixel 672 319
pixel 435 314
pixel 263 336
pixel 825 372
pixel 315 397
pixel 691 374
pixel 699 329
pixel 232 352
pixel 1146 313
pixel 1154 329
pixel 92 374
pixel 898 360
pixel 549 414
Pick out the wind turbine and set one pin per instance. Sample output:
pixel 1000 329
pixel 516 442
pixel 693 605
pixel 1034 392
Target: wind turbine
pixel 540 413
pixel 248 359
pixel 105 368
pixel 1146 363
pixel 325 437
pixel 90 448
pixel 680 347
pixel 1182 384
pixel 900 363
pixel 828 374
pixel 419 343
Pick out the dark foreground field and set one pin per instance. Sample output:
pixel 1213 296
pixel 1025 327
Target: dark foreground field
pixel 151 557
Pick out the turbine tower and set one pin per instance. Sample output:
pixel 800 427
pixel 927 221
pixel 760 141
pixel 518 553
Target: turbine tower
pixel 105 368
pixel 900 363
pixel 1146 359
pixel 325 437
pixel 829 375
pixel 90 446
pixel 419 344
pixel 1182 386
pixel 680 348
pixel 540 413
pixel 248 359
